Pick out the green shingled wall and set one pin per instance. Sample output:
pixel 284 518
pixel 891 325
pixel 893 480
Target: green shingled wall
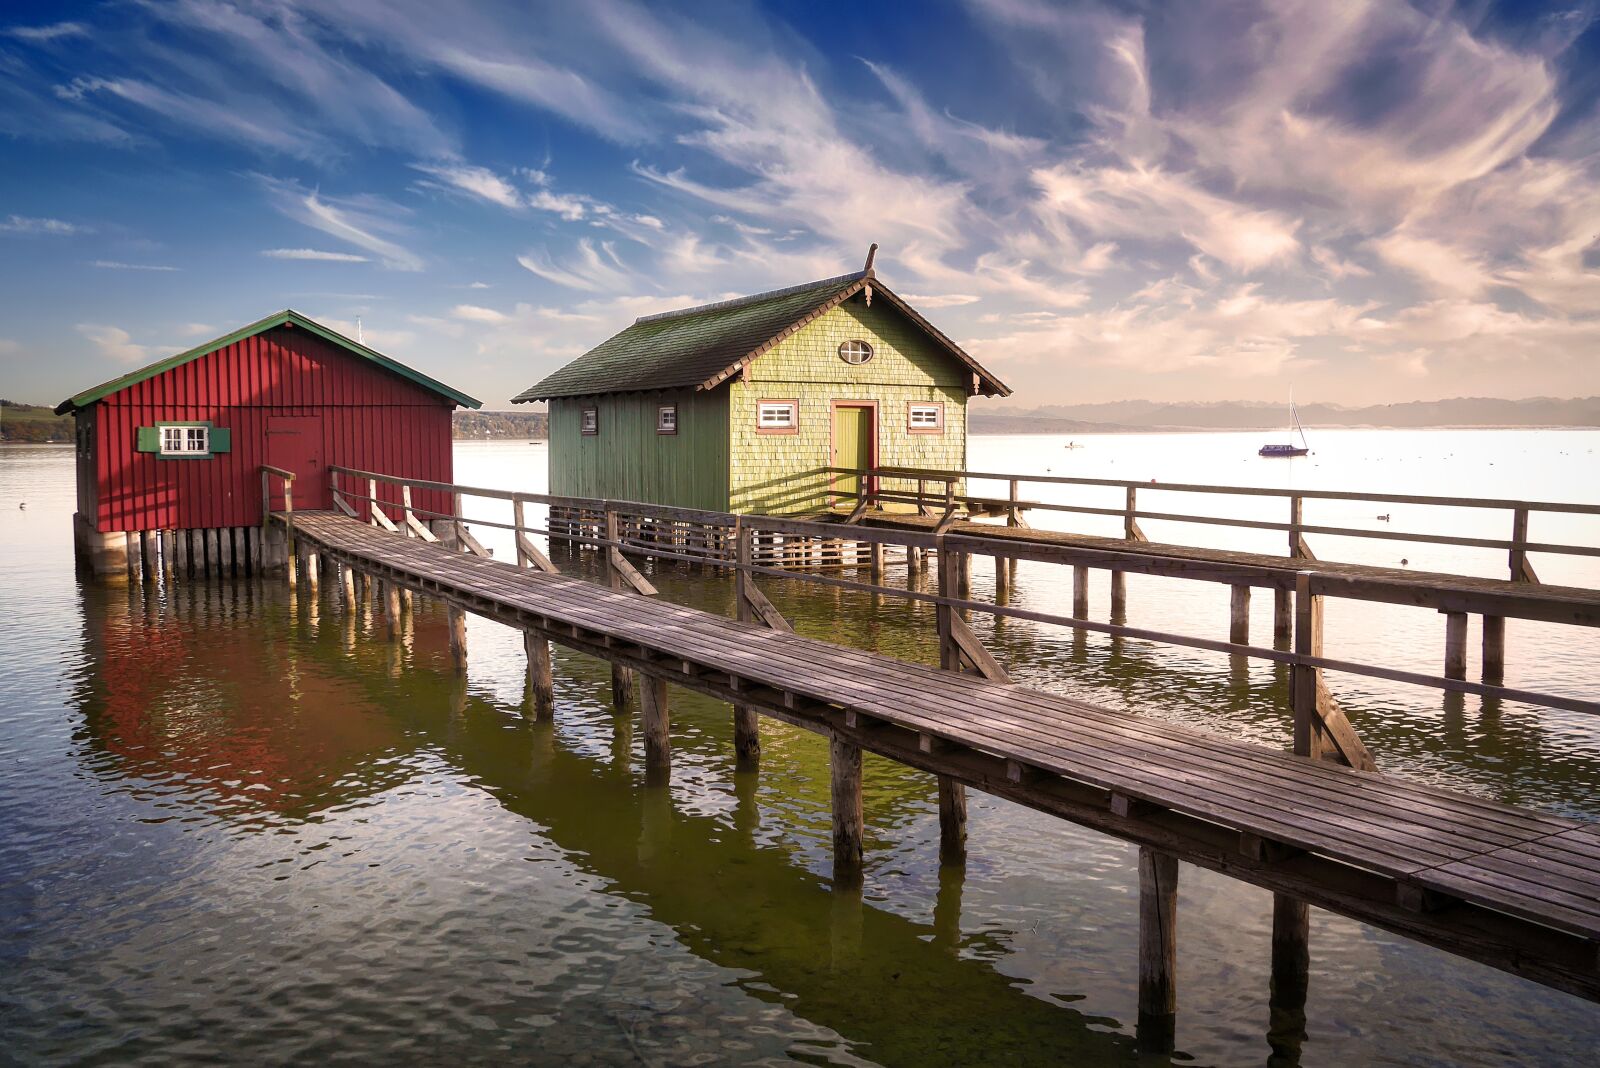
pixel 629 461
pixel 785 473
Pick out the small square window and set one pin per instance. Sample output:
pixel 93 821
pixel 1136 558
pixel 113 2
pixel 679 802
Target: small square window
pixel 185 440
pixel 667 419
pixel 589 421
pixel 777 417
pixel 925 418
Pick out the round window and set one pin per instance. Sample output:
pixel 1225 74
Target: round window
pixel 855 352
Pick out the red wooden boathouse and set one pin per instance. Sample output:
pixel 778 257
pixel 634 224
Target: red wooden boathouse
pixel 178 446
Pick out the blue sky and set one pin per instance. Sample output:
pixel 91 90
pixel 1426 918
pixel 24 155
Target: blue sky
pixel 1369 201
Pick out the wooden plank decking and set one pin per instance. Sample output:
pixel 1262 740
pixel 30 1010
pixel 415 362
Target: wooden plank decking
pixel 1515 888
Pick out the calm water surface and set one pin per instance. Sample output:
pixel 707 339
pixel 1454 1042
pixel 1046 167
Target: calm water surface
pixel 237 828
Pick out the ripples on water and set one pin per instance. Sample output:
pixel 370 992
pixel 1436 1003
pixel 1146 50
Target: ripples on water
pixel 236 829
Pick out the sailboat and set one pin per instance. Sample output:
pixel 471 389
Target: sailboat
pixel 1289 448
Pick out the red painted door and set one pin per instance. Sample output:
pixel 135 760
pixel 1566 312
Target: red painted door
pixel 294 443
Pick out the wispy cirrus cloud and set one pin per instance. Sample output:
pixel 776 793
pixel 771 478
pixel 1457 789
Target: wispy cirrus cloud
pixel 370 223
pixel 28 224
pixel 118 265
pixel 316 255
pixel 52 32
pixel 594 267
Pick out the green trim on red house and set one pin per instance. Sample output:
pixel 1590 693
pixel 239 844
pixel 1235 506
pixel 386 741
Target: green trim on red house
pixel 287 317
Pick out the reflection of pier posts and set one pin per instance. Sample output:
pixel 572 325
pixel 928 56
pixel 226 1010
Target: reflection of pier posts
pixel 1291 972
pixel 947 906
pixel 1158 950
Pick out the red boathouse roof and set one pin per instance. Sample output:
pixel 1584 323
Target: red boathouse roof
pixel 286 317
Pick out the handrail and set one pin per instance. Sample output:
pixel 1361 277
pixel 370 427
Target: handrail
pixel 1518 545
pixel 1527 601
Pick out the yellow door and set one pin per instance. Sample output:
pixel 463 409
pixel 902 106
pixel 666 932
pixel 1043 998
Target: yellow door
pixel 852 449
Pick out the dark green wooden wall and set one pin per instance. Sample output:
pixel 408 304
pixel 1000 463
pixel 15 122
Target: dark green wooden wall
pixel 628 461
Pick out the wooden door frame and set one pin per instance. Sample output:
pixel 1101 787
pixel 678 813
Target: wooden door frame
pixel 309 497
pixel 869 483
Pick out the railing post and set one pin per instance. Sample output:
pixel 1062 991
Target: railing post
pixel 372 501
pixel 1012 514
pixel 1158 950
pixel 1298 547
pixel 338 497
pixel 1130 525
pixel 266 501
pixel 520 530
pixel 405 503
pixel 922 494
pixel 949 588
pixel 1307 642
pixel 624 680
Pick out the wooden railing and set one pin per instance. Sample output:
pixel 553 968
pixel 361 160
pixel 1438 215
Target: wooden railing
pixel 759 545
pixel 931 489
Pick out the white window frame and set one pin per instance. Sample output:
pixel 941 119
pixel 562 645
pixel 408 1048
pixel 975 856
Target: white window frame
pixel 589 421
pixel 186 439
pixel 667 419
pixel 856 347
pixel 932 420
pixel 778 416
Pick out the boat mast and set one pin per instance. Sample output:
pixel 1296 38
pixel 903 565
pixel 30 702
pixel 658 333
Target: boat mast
pixel 1294 414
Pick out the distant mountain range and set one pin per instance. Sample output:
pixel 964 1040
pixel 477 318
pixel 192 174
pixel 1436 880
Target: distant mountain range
pixel 1253 415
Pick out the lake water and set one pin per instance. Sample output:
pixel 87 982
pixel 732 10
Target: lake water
pixel 236 828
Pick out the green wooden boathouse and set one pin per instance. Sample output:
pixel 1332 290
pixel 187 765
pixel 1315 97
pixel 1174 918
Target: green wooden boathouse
pixel 745 405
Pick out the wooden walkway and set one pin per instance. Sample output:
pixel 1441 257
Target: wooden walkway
pixel 1396 585
pixel 1511 887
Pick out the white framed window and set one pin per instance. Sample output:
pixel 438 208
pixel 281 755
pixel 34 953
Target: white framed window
pixel 855 351
pixel 667 419
pixel 589 421
pixel 925 418
pixel 185 440
pixel 777 416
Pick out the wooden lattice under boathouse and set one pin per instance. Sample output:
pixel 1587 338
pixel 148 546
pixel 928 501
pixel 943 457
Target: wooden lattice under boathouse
pixel 170 455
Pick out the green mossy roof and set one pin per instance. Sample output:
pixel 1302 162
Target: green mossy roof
pixel 283 318
pixel 703 346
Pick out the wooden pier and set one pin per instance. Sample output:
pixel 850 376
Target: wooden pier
pixel 1510 887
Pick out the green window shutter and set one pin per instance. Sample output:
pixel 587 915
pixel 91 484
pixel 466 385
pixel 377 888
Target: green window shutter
pixel 221 439
pixel 148 439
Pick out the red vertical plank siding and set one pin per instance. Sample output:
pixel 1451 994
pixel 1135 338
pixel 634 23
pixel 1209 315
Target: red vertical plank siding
pixel 371 420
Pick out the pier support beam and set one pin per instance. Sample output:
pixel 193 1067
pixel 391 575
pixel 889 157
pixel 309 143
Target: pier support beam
pixel 875 563
pixel 541 679
pixel 746 738
pixel 657 726
pixel 1158 950
pixel 312 577
pixel 1119 597
pixel 348 579
pixel 458 639
pixel 845 763
pixel 1239 616
pixel 1494 650
pixel 1455 645
pixel 1080 592
pixel 1282 618
pixel 1002 577
pixel 391 611
pixel 952 821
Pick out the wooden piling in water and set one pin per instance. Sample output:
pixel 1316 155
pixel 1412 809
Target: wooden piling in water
pixel 541 678
pixel 391 612
pixel 458 639
pixel 1002 578
pixel 347 579
pixel 1494 650
pixel 1455 645
pixel 952 821
pixel 1239 616
pixel 312 576
pixel 1291 978
pixel 844 761
pixel 1080 592
pixel 1282 618
pixel 1119 596
pixel 657 723
pixel 1158 950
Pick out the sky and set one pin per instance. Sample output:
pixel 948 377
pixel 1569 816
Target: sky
pixel 1364 202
